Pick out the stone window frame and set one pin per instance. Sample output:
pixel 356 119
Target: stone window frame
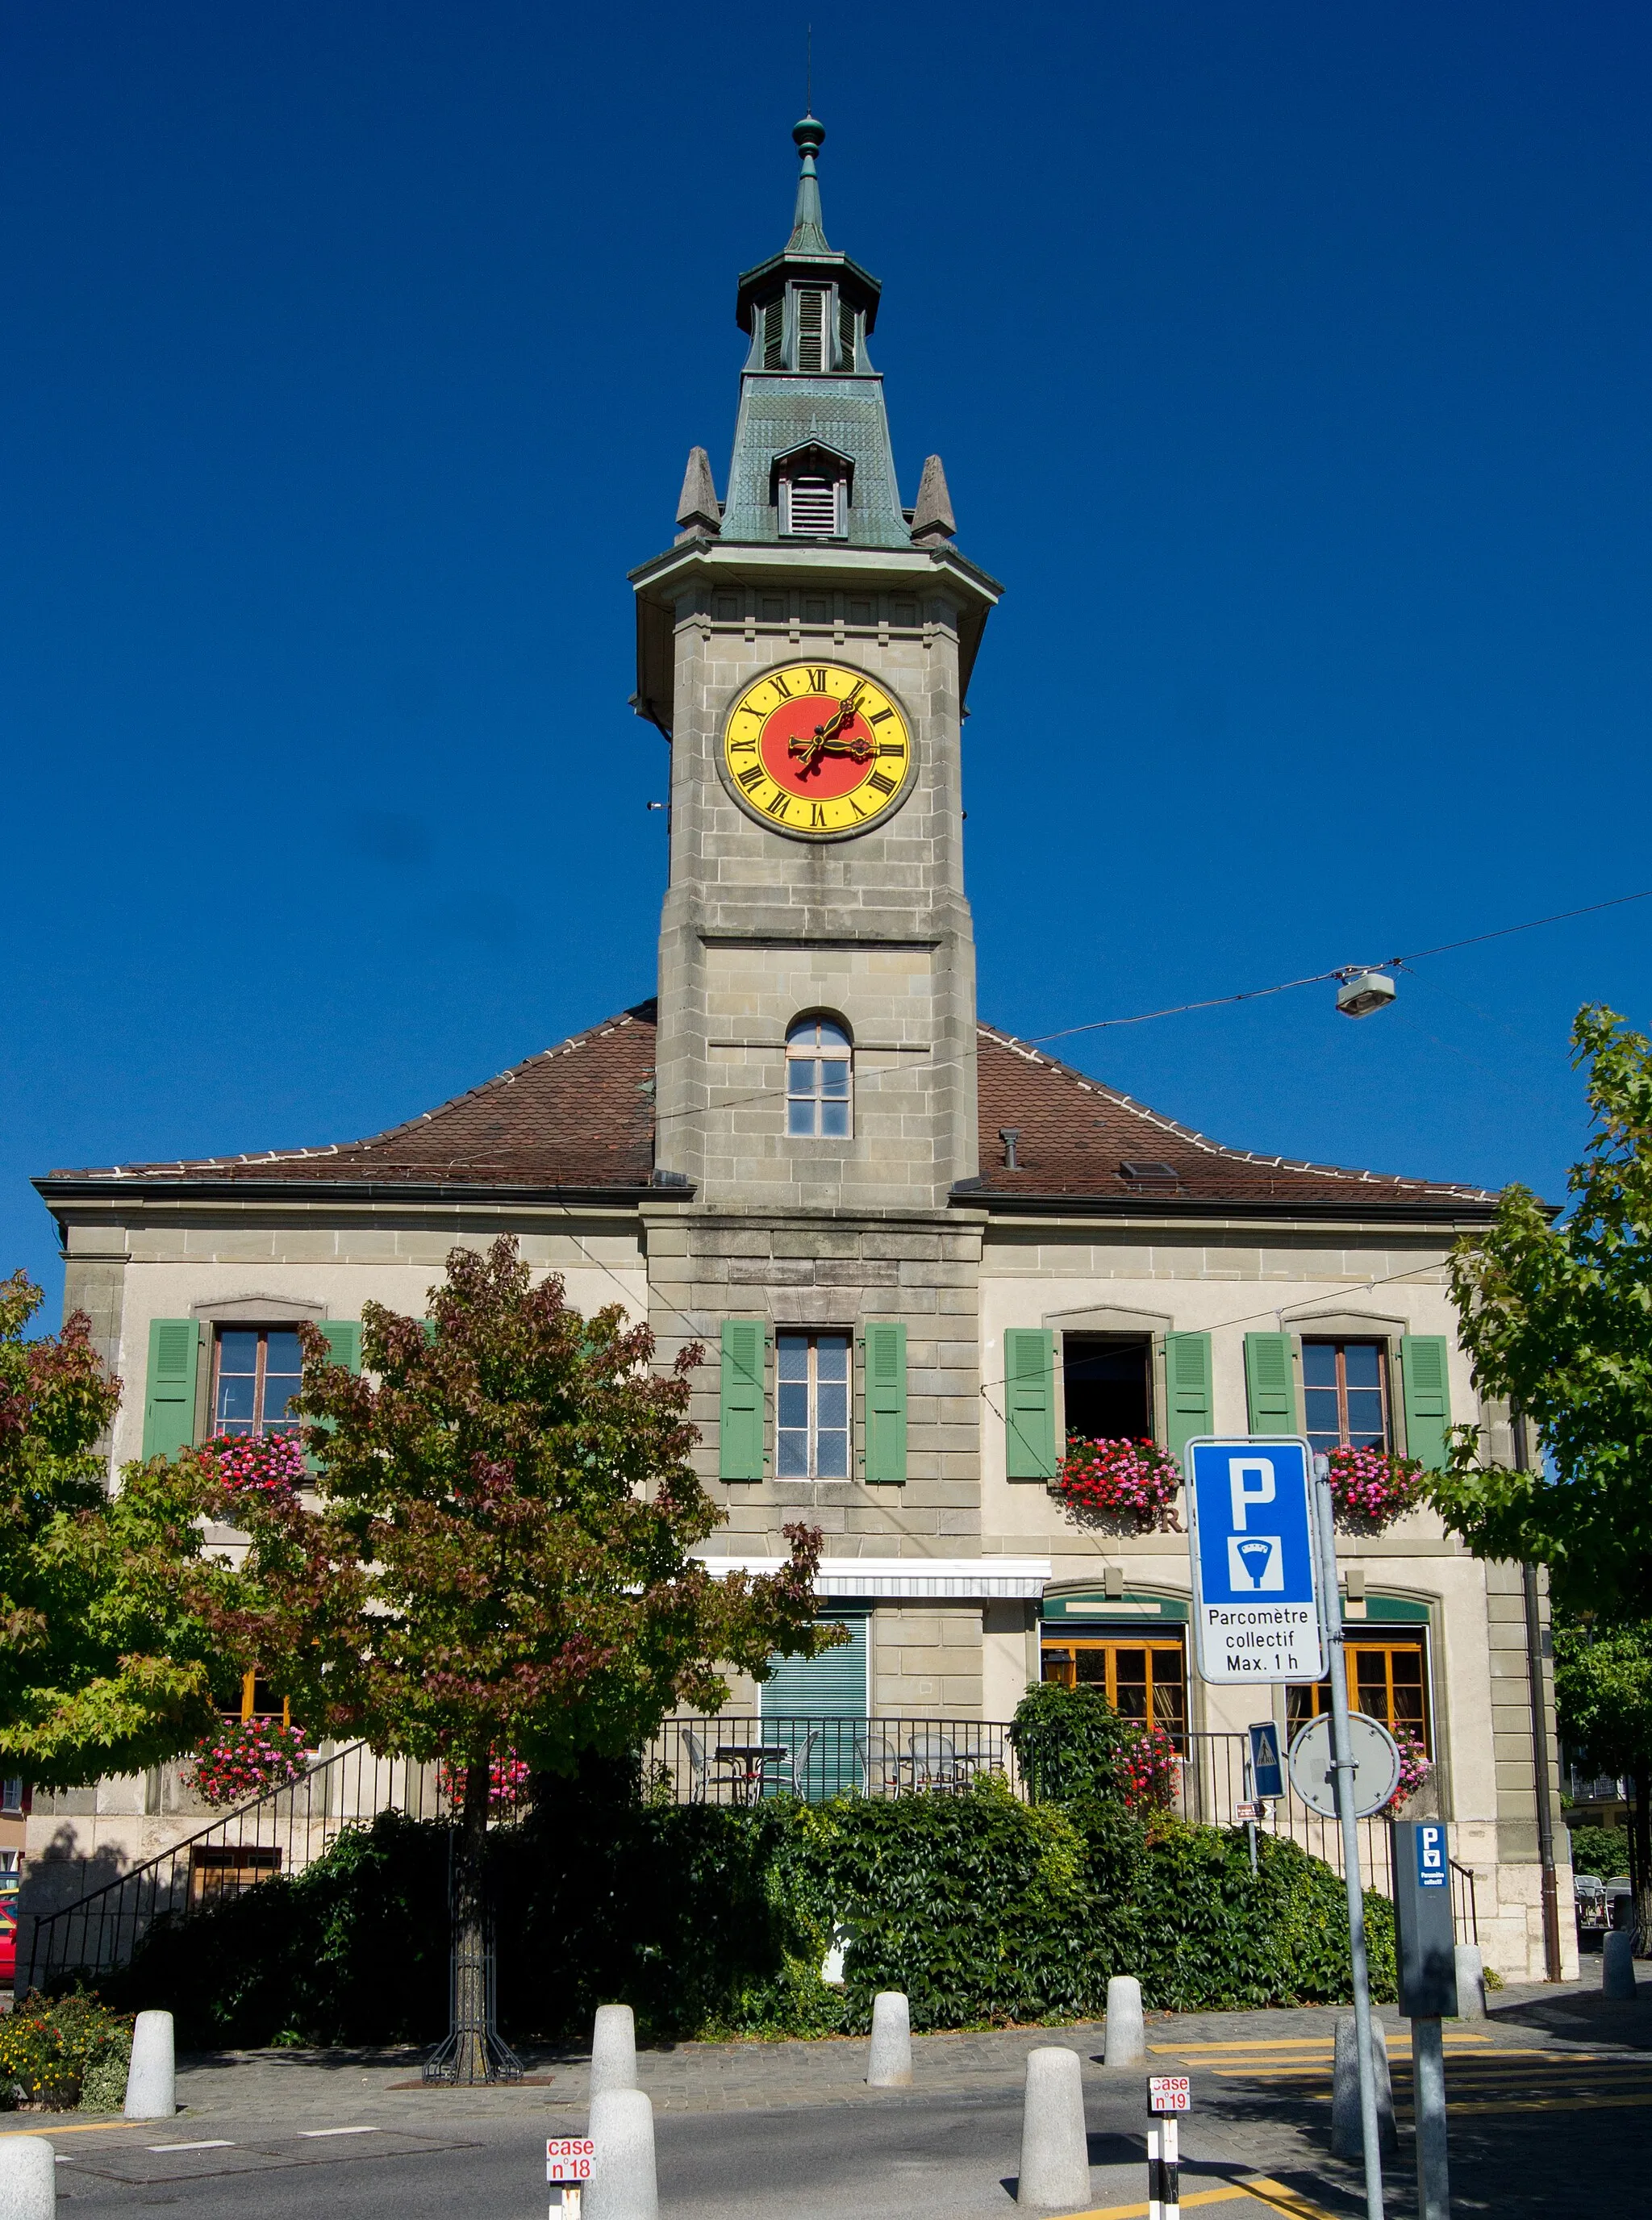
pixel 261 1310
pixel 816 1052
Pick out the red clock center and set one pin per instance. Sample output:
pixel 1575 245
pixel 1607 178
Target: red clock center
pixel 802 758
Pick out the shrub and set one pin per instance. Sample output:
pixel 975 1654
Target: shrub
pixel 352 1949
pixel 1601 1850
pixel 65 2051
pixel 1070 1742
pixel 713 1922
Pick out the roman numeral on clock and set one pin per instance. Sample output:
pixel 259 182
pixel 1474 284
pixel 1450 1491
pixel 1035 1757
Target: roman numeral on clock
pixel 884 747
pixel 779 807
pixel 817 816
pixel 880 783
pixel 743 747
pixel 752 777
pixel 781 687
pixel 817 681
pixel 882 717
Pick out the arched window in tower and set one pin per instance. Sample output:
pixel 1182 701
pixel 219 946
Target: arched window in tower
pixel 819 1080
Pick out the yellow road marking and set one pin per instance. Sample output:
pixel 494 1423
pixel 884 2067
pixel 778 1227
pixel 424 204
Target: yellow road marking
pixel 1286 2201
pixel 1287 2068
pixel 1239 2192
pixel 81 2128
pixel 1560 2104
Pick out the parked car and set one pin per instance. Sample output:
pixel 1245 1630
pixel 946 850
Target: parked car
pixel 8 1942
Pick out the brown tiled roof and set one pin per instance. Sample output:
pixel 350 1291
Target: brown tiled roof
pixel 579 1118
pixel 1079 1141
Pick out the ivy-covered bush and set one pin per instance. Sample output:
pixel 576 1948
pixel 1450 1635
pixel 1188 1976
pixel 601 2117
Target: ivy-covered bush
pixel 713 1922
pixel 62 2052
pixel 1070 1742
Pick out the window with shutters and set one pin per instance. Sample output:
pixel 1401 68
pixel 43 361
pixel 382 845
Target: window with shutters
pixel 819 1081
pixel 1387 1680
pixel 811 328
pixel 256 1371
pixel 774 333
pixel 1346 1389
pixel 812 1406
pixel 1108 1383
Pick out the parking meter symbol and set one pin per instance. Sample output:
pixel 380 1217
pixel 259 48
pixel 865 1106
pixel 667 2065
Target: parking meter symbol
pixel 1256 1564
pixel 1430 1855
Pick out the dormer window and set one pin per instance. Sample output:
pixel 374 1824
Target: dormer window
pixel 811 490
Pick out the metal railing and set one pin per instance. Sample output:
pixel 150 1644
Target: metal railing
pixel 1465 1918
pixel 281 1831
pixel 740 1760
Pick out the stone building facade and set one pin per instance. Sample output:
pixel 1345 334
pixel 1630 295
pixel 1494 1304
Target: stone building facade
pixel 921 1255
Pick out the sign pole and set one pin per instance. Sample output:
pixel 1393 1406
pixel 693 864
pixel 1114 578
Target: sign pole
pixel 1341 1763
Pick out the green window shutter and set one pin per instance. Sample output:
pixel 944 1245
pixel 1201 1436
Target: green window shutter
pixel 886 1405
pixel 168 1399
pixel 1188 1408
pixel 739 1446
pixel 830 1685
pixel 1030 1402
pixel 1269 1390
pixel 1422 1358
pixel 343 1338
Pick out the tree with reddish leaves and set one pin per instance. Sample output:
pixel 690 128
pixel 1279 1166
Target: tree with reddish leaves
pixel 499 1560
pixel 102 1670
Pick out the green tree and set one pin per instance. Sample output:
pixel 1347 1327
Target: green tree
pixel 1557 1318
pixel 499 1560
pixel 101 1671
pixel 1603 1694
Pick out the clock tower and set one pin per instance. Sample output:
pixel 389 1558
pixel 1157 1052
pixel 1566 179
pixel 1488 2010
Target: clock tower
pixel 804 646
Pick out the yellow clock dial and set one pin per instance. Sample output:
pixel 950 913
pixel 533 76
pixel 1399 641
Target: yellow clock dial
pixel 817 752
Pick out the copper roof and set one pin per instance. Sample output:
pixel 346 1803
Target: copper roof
pixel 579 1119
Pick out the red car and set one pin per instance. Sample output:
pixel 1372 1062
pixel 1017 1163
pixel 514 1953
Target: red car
pixel 8 1941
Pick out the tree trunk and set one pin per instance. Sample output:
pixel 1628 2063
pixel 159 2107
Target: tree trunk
pixel 472 2062
pixel 1640 1855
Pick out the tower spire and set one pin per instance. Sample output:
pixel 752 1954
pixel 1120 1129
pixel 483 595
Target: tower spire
pixel 809 236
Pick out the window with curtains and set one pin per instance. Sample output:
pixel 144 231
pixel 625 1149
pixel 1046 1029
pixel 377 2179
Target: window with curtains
pixel 1387 1680
pixel 1346 1389
pixel 1140 1679
pixel 819 1081
pixel 256 1371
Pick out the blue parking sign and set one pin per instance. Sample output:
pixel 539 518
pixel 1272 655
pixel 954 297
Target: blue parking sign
pixel 1431 1868
pixel 1255 1585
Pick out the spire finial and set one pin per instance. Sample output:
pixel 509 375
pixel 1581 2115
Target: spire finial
pixel 808 234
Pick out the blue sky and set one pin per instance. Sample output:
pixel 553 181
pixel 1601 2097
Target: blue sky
pixel 1290 365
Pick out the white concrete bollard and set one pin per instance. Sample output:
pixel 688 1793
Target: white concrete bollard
pixel 1125 2042
pixel 1471 1982
pixel 1055 2150
pixel 890 2064
pixel 624 2185
pixel 151 2083
pixel 1617 1963
pixel 1347 2138
pixel 614 2049
pixel 28 2178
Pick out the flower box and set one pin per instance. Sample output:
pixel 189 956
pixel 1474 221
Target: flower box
pixel 1370 1488
pixel 249 1757
pixel 1129 1485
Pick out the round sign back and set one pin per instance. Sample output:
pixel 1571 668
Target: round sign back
pixel 1376 1765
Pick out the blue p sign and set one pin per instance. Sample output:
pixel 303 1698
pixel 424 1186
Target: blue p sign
pixel 1432 1870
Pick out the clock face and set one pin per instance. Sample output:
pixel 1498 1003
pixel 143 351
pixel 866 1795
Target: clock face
pixel 817 752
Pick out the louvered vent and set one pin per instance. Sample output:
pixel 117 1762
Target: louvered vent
pixel 811 329
pixel 774 326
pixel 812 506
pixel 845 336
